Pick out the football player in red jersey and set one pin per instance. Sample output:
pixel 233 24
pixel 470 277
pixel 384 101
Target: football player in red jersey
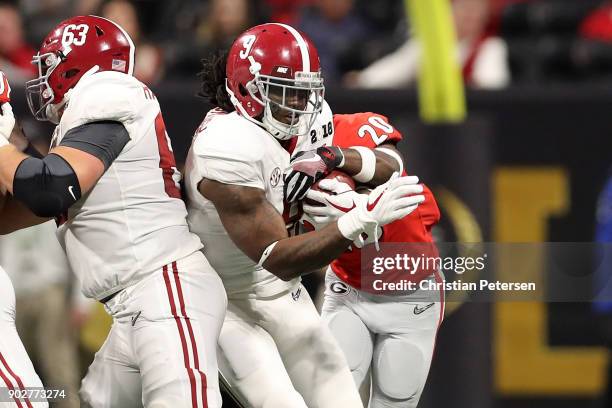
pixel 391 336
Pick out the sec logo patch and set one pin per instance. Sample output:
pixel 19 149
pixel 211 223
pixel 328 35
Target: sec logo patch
pixel 275 177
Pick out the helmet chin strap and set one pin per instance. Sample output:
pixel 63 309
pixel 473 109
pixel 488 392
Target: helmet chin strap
pixel 280 130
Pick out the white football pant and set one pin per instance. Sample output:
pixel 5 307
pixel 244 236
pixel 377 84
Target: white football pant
pixel 161 350
pixel 391 338
pixel 278 353
pixel 16 371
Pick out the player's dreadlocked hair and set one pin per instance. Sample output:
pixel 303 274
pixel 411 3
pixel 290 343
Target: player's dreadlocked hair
pixel 212 77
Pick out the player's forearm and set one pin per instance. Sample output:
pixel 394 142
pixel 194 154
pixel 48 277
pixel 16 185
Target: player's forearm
pixel 10 158
pixel 384 166
pixel 302 254
pixel 16 216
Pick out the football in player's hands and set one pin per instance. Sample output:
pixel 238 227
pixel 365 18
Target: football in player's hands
pixel 336 182
pixel 328 199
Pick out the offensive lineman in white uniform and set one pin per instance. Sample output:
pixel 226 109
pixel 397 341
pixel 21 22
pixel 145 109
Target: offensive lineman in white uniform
pixel 111 182
pixel 275 350
pixel 16 371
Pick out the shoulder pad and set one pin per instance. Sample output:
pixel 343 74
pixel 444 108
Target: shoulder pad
pixel 104 96
pixel 232 137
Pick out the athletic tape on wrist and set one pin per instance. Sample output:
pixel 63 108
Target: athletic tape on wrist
pixel 393 154
pixel 368 164
pixel 266 253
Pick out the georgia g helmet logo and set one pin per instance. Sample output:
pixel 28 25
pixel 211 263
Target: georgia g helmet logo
pixel 339 288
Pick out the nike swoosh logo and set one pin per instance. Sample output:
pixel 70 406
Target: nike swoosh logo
pixel 419 310
pixel 72 192
pixel 371 206
pixel 339 207
pixel 134 318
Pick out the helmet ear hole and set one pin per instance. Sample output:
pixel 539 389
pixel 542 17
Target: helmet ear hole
pixel 70 73
pixel 242 90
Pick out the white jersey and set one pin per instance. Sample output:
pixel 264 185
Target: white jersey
pixel 133 220
pixel 7 298
pixel 230 149
pixel 321 133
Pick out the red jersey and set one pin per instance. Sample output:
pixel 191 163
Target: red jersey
pixel 372 130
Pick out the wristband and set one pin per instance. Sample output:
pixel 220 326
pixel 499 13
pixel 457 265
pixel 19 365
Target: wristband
pixel 394 155
pixel 368 164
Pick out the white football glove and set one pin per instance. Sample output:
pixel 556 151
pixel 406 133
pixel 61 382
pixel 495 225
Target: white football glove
pixel 388 202
pixel 7 123
pixel 336 199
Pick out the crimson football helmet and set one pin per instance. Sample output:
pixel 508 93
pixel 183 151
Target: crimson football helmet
pixel 273 77
pixel 78 46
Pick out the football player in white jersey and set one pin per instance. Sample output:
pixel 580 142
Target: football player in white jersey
pixel 17 374
pixel 274 349
pixel 111 182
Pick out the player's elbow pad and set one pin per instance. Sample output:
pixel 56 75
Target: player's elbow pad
pixel 48 187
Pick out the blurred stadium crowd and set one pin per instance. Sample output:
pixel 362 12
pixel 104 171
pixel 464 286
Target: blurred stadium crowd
pixel 362 43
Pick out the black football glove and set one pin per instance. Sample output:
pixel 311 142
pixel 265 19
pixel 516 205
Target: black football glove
pixel 309 167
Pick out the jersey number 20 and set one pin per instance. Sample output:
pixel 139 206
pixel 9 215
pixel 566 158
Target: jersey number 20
pixel 378 123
